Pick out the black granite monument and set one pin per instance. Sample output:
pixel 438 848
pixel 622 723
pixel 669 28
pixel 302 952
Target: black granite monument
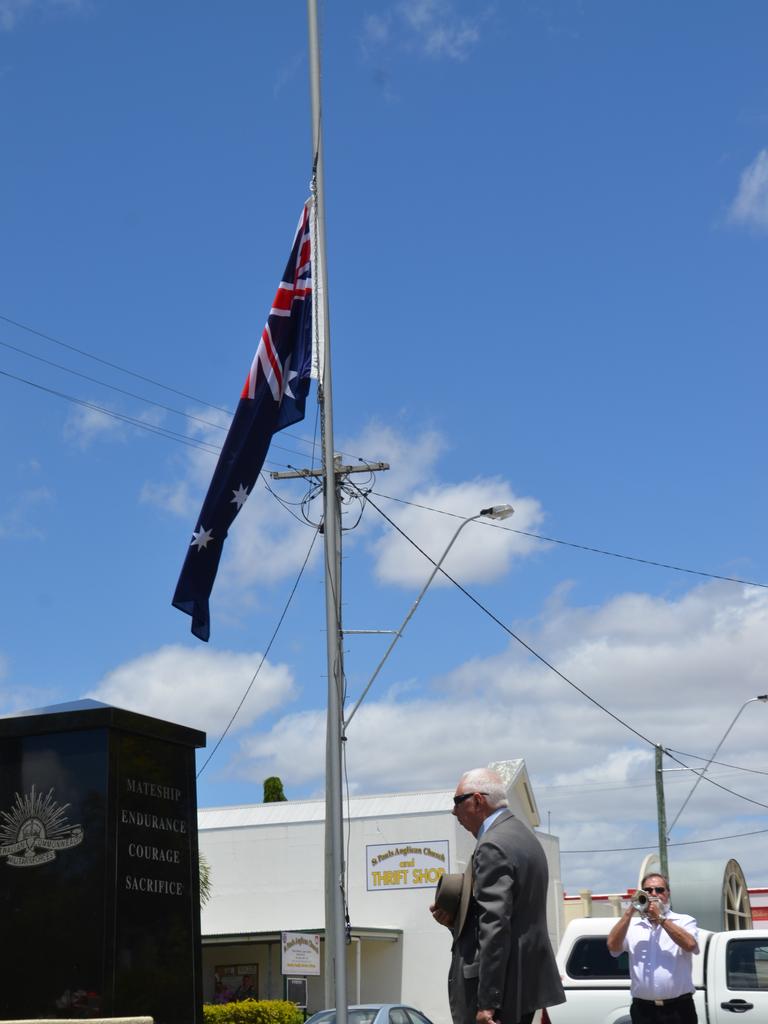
pixel 99 882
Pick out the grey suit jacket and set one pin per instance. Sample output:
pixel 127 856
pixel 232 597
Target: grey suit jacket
pixel 502 958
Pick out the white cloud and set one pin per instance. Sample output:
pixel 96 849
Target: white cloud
pixel 16 521
pixel 751 203
pixel 482 552
pixel 617 769
pixel 376 29
pixel 674 669
pixel 267 544
pixel 432 27
pixel 288 72
pixel 412 457
pixel 441 31
pixel 198 686
pixel 184 496
pixel 84 425
pixel 12 11
pixel 179 497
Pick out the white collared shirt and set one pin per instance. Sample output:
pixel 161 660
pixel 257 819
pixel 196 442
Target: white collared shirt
pixel 490 820
pixel 658 967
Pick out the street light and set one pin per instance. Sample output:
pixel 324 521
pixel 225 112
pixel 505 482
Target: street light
pixel 764 699
pixel 496 512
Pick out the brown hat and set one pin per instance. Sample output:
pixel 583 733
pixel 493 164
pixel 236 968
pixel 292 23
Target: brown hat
pixel 452 895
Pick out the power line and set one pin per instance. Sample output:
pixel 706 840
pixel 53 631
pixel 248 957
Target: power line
pixel 581 547
pixel 506 628
pixel 303 440
pixel 149 427
pixel 112 387
pixel 113 366
pixel 688 842
pixel 602 787
pixel 722 764
pixel 263 657
pixel 541 658
pixel 133 373
pixel 172 435
pixel 706 778
pixel 132 394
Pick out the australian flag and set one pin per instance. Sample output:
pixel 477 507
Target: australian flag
pixel 273 397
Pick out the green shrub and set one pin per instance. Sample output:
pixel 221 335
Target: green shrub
pixel 253 1011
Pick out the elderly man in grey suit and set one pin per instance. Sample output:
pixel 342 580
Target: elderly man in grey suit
pixel 502 964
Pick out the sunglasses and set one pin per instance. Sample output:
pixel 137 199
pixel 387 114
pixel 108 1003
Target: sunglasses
pixel 659 890
pixel 465 796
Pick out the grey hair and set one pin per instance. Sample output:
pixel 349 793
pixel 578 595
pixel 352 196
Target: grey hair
pixel 654 874
pixel 485 780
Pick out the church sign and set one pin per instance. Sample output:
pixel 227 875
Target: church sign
pixel 416 865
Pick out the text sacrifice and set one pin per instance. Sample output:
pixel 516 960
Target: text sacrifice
pixel 154 886
pixel 147 851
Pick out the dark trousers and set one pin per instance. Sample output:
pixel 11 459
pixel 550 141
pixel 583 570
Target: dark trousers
pixel 679 1011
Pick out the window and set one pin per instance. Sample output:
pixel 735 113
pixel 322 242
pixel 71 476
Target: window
pixel 359 1016
pixel 397 1015
pixel 590 959
pixel 418 1018
pixel 746 964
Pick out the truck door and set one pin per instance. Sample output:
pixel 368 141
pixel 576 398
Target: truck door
pixel 738 981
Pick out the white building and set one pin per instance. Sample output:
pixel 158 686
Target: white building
pixel 267 872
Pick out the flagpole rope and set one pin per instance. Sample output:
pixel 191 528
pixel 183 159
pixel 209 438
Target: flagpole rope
pixel 264 655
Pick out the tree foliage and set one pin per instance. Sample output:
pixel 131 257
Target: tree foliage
pixel 273 790
pixel 252 1011
pixel 205 879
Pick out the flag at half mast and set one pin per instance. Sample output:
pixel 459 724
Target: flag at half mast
pixel 273 397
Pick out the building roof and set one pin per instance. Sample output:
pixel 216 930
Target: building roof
pixel 294 811
pixel 381 805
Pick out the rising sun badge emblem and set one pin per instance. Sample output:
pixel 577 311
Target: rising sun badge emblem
pixel 34 829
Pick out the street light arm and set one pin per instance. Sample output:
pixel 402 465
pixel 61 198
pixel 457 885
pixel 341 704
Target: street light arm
pixel 700 775
pixel 408 617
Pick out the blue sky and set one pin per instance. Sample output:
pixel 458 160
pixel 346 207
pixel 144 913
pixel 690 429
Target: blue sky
pixel 548 232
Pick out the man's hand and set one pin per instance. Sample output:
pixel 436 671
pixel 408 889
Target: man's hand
pixel 441 916
pixel 485 1016
pixel 655 912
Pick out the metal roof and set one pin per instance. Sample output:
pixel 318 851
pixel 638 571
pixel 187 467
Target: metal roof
pixel 381 805
pixel 243 938
pixel 295 811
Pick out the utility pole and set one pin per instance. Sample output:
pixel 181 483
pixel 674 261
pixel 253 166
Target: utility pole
pixel 335 960
pixel 661 813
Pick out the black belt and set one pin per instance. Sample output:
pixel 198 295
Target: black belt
pixel 663 1002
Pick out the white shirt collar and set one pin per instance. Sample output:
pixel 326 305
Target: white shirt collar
pixel 490 820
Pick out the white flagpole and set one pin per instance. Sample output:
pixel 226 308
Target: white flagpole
pixel 335 944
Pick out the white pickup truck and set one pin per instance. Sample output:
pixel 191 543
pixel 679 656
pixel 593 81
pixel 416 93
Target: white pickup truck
pixel 730 974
